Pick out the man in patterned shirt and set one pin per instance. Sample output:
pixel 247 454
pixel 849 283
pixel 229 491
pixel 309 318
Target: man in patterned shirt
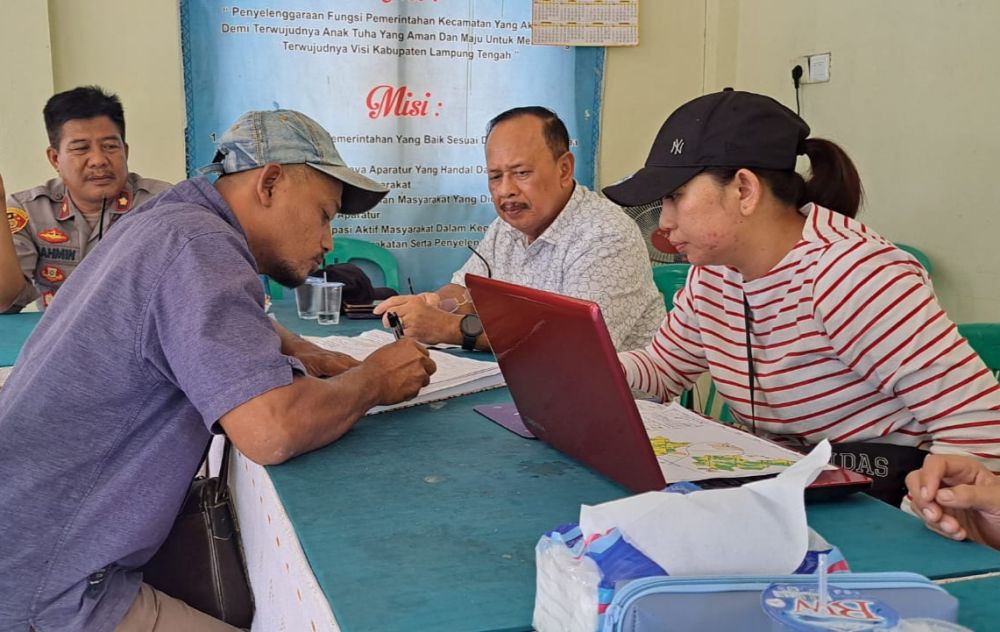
pixel 552 233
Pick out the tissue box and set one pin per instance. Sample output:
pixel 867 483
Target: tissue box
pixel 858 601
pixel 577 579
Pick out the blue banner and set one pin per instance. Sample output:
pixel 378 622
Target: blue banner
pixel 406 88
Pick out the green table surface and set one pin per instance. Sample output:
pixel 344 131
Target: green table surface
pixel 877 537
pixel 426 519
pixel 978 599
pixel 14 331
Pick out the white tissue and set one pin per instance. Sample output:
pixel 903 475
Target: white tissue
pixel 757 529
pixel 565 590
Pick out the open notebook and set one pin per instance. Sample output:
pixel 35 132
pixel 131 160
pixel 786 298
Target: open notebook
pixel 455 375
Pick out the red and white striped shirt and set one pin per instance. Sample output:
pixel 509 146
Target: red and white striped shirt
pixel 849 343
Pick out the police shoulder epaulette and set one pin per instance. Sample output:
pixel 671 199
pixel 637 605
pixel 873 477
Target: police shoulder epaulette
pixel 53 189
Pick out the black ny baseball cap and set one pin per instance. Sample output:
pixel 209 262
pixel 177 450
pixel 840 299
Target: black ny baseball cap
pixel 724 129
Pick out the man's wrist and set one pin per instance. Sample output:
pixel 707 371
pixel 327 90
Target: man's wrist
pixel 471 329
pixel 452 333
pixel 373 384
pixel 293 344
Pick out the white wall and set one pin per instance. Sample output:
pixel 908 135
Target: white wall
pixel 25 84
pixel 645 83
pixel 912 98
pixel 131 48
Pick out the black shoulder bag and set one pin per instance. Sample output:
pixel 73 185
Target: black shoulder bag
pixel 885 463
pixel 201 561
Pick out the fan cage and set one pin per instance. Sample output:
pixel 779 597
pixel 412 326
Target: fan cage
pixel 647 217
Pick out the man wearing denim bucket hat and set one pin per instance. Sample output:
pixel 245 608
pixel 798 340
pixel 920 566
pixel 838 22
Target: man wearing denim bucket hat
pixel 161 341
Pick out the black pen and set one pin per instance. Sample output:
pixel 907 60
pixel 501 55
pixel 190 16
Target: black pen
pixel 410 283
pixel 396 324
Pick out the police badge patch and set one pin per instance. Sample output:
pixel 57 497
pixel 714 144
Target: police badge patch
pixel 17 219
pixel 54 236
pixel 124 202
pixel 52 274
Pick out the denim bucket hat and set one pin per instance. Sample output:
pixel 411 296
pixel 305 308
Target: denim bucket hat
pixel 288 137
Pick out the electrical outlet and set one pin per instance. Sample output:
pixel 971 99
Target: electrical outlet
pixel 815 68
pixel 819 68
pixel 800 61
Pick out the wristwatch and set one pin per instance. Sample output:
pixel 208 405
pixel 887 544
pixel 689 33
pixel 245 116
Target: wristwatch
pixel 471 328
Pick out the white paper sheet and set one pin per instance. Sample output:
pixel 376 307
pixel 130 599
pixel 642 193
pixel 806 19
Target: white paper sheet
pixel 759 528
pixel 455 375
pixel 690 447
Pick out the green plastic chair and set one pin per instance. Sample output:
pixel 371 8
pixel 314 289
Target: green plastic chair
pixel 917 254
pixel 669 278
pixel 711 406
pixel 346 249
pixel 984 338
pixel 717 409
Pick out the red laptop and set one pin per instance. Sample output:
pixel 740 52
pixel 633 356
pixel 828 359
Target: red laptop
pixel 567 384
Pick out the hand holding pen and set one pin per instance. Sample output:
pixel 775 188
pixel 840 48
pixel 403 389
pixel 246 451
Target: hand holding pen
pixel 396 324
pixel 424 321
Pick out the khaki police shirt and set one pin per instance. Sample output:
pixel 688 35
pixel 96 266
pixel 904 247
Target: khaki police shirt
pixel 51 236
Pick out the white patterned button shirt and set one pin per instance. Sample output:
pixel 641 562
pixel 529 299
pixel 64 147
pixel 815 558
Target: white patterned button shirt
pixel 593 251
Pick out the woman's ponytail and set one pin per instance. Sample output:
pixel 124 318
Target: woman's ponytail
pixel 833 180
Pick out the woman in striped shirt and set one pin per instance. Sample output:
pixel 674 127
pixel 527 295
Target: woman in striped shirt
pixel 811 325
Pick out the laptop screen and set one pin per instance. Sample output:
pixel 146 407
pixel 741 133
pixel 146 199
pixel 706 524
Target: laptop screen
pixel 563 373
pixel 564 376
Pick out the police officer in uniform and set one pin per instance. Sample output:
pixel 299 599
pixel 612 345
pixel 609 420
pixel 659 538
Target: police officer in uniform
pixel 56 224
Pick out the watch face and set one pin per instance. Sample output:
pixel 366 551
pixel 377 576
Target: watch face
pixel 470 325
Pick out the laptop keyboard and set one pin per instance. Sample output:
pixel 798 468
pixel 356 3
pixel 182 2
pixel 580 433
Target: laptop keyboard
pixel 813 493
pixel 720 483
